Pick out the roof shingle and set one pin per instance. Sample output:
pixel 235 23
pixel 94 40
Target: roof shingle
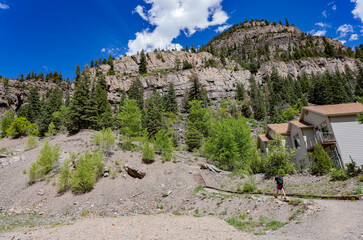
pixel 337 109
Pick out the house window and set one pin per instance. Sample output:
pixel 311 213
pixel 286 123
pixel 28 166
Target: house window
pixel 297 141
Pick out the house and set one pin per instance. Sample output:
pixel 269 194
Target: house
pixel 335 127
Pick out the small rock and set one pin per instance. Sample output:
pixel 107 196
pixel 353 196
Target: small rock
pixel 190 172
pixel 75 203
pixel 310 207
pixel 106 170
pixel 248 211
pixel 106 174
pixel 134 172
pixel 41 192
pixel 124 175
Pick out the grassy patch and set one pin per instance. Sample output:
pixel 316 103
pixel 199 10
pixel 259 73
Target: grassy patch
pixel 257 227
pixel 295 202
pixel 11 222
pixel 198 189
pixel 297 213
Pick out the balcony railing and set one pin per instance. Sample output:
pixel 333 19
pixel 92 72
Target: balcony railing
pixel 320 137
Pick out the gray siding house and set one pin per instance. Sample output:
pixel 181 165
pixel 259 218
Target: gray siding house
pixel 335 127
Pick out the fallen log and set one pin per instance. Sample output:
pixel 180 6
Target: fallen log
pixel 332 197
pixel 210 167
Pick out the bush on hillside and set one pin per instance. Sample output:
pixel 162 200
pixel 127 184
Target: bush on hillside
pixel 22 127
pixel 229 144
pixel 31 143
pixel 163 144
pixel 48 157
pixel 278 159
pixel 321 163
pixel 64 177
pixel 105 140
pixel 88 169
pixel 338 175
pixel 148 154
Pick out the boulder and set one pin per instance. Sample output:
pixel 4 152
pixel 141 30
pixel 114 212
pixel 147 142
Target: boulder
pixel 134 172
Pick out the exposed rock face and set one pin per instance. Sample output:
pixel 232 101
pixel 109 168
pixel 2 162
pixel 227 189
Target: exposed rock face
pixel 16 93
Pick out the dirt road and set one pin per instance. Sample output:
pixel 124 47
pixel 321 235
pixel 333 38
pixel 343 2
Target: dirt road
pixel 335 220
pixel 137 227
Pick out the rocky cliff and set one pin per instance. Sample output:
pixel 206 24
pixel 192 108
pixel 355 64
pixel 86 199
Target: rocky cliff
pixel 220 65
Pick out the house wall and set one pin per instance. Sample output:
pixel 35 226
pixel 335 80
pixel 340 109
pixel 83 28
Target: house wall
pixel 349 135
pixel 316 119
pixel 300 156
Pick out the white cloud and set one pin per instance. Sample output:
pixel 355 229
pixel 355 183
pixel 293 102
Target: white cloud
pixel 222 28
pixel 318 33
pixel 324 14
pixel 323 25
pixel 353 37
pixel 116 52
pixel 170 18
pixel 358 9
pixel 345 29
pixel 334 7
pixel 4 6
pixel 342 41
pixel 140 10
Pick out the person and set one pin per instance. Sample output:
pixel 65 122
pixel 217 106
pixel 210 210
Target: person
pixel 279 185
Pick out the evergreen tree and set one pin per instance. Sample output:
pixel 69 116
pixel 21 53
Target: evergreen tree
pixel 34 104
pixel 258 103
pixel 104 112
pixel 143 63
pixel 197 92
pixel 153 118
pixel 193 138
pixel 78 72
pixel 111 71
pixel 91 118
pixel 123 98
pixel 136 92
pixel 92 64
pixel 77 108
pixel 53 105
pixel 240 92
pixel 177 63
pixel 170 102
pixel 129 119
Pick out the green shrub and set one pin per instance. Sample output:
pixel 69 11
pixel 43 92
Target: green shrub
pixel 163 144
pixel 48 157
pixel 360 178
pixel 64 176
pixel 22 127
pixel 148 154
pixel 278 159
pixel 352 169
pixel 52 130
pixel 321 163
pixel 193 138
pixel 229 144
pixel 105 140
pixel 31 143
pixel 250 185
pixel 338 175
pixel 87 171
pixel 6 122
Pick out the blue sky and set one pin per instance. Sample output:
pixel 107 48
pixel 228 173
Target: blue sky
pixel 44 36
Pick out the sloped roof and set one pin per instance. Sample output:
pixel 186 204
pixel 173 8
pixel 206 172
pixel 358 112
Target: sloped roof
pixel 335 109
pixel 301 124
pixel 264 138
pixel 281 128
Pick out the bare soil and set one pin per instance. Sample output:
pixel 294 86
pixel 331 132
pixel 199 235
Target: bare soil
pixel 147 208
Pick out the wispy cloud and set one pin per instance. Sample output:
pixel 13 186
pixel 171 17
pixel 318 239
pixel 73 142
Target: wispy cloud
pixel 324 13
pixel 353 37
pixel 172 17
pixel 342 41
pixel 222 28
pixel 323 25
pixel 344 30
pixel 318 33
pixel 4 6
pixel 116 52
pixel 334 7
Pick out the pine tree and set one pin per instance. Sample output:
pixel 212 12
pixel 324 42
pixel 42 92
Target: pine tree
pixel 111 71
pixel 78 72
pixel 34 105
pixel 91 109
pixel 143 63
pixel 77 108
pixel 123 98
pixel 240 92
pixel 153 118
pixel 197 92
pixel 92 64
pixel 170 102
pixel 136 92
pixel 104 111
pixel 193 138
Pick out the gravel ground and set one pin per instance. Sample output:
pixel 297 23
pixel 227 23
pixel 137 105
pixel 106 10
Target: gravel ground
pixel 137 227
